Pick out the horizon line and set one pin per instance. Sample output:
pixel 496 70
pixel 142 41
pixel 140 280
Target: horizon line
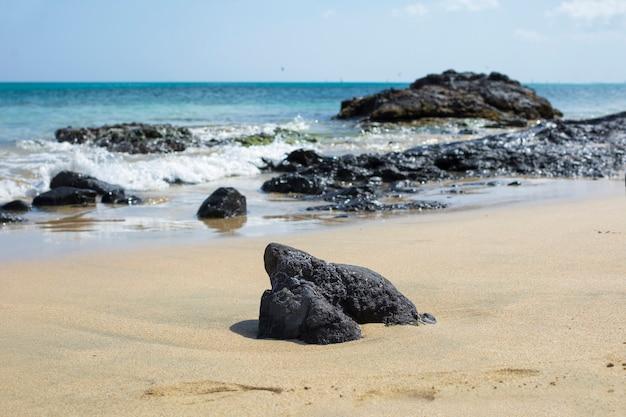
pixel 274 82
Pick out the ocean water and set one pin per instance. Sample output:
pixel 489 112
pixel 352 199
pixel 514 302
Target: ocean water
pixel 29 156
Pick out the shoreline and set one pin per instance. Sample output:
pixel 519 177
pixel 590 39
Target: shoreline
pixel 527 299
pixel 84 230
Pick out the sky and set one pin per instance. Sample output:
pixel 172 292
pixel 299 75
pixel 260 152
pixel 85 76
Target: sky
pixel 321 40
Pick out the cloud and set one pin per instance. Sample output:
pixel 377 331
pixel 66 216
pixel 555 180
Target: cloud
pixel 413 9
pixel 527 35
pixel 590 10
pixel 471 5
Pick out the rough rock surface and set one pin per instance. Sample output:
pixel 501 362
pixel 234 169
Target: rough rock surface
pixel 76 180
pixel 320 302
pixel 64 196
pixel 591 148
pixel 9 218
pixel 121 198
pixel 454 95
pixel 17 206
pixel 134 138
pixel 111 193
pixel 223 203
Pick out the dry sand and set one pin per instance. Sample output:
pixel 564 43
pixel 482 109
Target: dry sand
pixel 531 302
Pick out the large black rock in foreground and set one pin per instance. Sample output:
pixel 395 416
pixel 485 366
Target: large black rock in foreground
pixel 225 202
pixel 321 302
pixel 64 196
pixel 452 94
pixel 134 138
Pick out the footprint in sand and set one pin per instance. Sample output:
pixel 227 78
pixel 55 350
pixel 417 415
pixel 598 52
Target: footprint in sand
pixel 196 388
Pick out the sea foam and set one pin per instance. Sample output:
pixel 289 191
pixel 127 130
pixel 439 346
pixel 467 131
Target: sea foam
pixel 27 169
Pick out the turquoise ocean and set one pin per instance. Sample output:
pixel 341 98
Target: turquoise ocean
pixel 31 112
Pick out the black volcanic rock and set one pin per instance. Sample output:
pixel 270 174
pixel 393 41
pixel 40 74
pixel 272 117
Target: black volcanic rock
pixel 64 196
pixel 120 197
pixel 592 148
pixel 294 183
pixel 320 302
pixel 223 203
pixel 9 218
pixel 454 95
pixel 17 206
pixel 133 138
pixel 86 182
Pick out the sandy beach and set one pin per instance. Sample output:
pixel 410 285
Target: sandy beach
pixel 530 301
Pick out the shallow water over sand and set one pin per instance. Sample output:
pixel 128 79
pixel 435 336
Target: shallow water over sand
pixel 168 217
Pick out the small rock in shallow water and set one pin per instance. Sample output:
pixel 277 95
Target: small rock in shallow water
pixel 121 198
pixel 17 206
pixel 223 203
pixel 321 302
pixel 64 196
pixel 9 218
pixel 293 183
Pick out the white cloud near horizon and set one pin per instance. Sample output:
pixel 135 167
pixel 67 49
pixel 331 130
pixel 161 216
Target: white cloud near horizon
pixel 471 5
pixel 590 10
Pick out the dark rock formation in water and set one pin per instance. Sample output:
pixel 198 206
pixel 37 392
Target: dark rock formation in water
pixel 76 180
pixel 591 148
pixel 65 196
pixel 120 197
pixel 454 95
pixel 293 183
pixel 16 206
pixel 133 138
pixel 111 193
pixel 223 203
pixel 321 302
pixel 6 218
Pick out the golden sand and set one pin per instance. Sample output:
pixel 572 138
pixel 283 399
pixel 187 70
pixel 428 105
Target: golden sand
pixel 531 303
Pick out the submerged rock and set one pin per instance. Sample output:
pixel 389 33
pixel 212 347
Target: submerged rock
pixel 454 95
pixel 17 206
pixel 133 138
pixel 225 202
pixel 320 302
pixel 6 218
pixel 86 182
pixel 64 196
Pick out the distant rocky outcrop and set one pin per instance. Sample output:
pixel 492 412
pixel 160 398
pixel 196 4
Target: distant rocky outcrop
pixel 320 302
pixel 591 148
pixel 454 95
pixel 223 203
pixel 133 138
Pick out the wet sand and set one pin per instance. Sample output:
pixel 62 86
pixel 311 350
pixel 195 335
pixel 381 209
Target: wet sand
pixel 530 301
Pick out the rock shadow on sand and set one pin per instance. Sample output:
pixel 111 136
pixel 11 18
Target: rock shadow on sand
pixel 246 328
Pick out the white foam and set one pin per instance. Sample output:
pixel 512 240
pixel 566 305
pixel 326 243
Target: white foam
pixel 28 170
